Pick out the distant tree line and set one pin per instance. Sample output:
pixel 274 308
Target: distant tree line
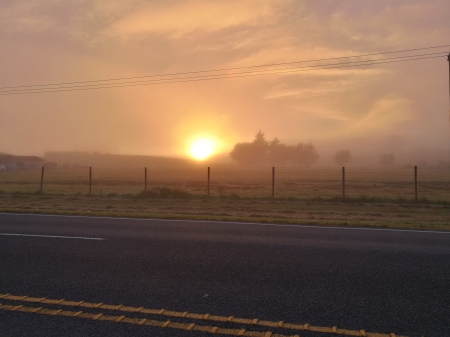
pixel 343 157
pixel 263 152
pixel 274 153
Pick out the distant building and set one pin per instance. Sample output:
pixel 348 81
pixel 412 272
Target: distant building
pixel 50 165
pixel 76 160
pixel 12 162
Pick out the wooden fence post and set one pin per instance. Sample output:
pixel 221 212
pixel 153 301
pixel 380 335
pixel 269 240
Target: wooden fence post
pixel 90 180
pixel 42 179
pixel 273 182
pixel 209 175
pixel 343 182
pixel 145 179
pixel 415 182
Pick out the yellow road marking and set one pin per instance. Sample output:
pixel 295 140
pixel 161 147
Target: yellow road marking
pixel 185 314
pixel 119 319
pixel 16 308
pixel 137 321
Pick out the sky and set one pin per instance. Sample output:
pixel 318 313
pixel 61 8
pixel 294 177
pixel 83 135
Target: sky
pixel 369 109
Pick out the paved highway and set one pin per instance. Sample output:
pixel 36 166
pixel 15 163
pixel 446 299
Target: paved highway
pixel 379 281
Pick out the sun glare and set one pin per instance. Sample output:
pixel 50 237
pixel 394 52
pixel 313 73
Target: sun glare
pixel 202 148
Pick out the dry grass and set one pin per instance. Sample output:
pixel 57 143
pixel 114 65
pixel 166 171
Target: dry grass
pixel 364 213
pixel 434 185
pixel 375 198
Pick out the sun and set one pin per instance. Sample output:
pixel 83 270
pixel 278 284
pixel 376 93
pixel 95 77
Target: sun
pixel 202 148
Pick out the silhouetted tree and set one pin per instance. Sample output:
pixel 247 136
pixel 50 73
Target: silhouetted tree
pixel 278 153
pixel 303 154
pixel 343 157
pixel 254 153
pixel 242 153
pixel 386 159
pixel 260 151
pixel 260 148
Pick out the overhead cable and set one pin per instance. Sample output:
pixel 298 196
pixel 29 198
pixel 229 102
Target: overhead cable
pixel 151 80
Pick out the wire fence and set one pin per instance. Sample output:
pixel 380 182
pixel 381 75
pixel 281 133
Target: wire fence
pixel 230 182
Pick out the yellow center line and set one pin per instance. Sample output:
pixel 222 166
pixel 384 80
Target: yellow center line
pixel 187 315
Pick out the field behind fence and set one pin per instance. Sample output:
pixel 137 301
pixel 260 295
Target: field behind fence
pixel 301 183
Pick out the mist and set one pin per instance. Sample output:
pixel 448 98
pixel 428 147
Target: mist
pixel 399 108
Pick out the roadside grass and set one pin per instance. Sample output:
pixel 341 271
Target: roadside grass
pixel 173 203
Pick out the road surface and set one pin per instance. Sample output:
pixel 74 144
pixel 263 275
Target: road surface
pixel 115 276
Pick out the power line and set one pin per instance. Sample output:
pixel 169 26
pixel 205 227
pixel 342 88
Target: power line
pixel 218 76
pixel 256 72
pixel 280 70
pixel 224 69
pixel 61 87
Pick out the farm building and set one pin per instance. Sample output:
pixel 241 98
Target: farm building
pixel 12 162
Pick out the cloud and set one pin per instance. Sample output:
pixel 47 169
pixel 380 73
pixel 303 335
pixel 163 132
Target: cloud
pixel 56 41
pixel 178 18
pixel 386 115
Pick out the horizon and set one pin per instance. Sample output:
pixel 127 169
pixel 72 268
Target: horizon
pixel 397 100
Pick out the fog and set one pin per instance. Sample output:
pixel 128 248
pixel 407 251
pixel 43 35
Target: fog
pixel 400 108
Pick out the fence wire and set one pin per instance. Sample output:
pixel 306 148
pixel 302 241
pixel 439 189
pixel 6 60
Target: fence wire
pixel 235 182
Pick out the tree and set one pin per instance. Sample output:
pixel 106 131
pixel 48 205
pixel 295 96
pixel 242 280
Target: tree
pixel 254 153
pixel 242 153
pixel 278 153
pixel 310 155
pixel 343 157
pixel 260 152
pixel 386 159
pixel 303 154
pixel 260 148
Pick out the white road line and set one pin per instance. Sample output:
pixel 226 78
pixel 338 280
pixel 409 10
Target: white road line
pixel 234 223
pixel 53 236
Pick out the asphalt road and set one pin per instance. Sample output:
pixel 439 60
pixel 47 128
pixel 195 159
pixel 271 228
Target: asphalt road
pixel 377 280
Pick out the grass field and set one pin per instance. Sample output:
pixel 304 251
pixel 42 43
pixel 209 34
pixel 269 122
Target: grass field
pixel 360 213
pixel 374 198
pixel 296 183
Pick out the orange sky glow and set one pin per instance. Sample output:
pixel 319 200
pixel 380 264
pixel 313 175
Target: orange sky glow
pixel 380 107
